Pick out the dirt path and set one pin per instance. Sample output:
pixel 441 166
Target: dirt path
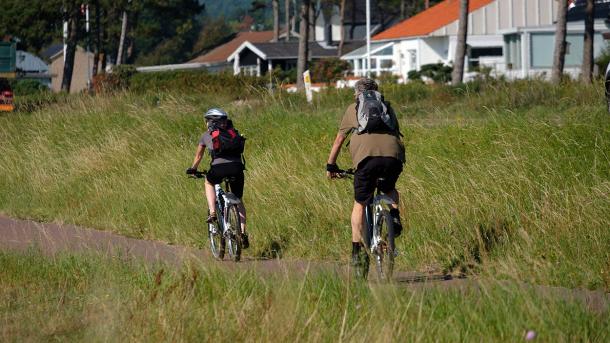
pixel 50 238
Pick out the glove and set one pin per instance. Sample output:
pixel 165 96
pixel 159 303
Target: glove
pixel 332 168
pixel 191 171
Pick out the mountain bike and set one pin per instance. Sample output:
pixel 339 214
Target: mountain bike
pixel 378 232
pixel 226 231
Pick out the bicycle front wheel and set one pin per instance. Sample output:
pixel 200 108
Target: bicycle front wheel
pixel 233 233
pixel 385 249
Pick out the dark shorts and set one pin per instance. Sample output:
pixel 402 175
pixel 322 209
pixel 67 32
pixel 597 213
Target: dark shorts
pixel 218 172
pixel 371 169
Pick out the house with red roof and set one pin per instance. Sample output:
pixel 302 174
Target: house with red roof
pixel 512 37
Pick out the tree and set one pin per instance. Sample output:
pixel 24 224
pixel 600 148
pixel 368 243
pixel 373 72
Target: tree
pixel 287 19
pixel 587 58
pixel 303 43
pixel 119 57
pixel 98 37
pixel 460 49
pixel 341 28
pixel 276 19
pixel 560 42
pixel 72 16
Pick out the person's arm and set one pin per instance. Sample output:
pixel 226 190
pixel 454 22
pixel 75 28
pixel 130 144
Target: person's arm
pixel 198 157
pixel 331 166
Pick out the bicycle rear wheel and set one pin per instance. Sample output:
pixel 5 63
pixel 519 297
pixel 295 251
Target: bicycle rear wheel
pixel 217 241
pixel 233 233
pixel 384 252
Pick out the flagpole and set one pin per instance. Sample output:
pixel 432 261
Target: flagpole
pixel 368 38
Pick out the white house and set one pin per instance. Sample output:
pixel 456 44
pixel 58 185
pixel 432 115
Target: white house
pixel 431 36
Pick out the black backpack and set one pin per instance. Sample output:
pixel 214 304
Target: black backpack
pixel 227 142
pixel 373 115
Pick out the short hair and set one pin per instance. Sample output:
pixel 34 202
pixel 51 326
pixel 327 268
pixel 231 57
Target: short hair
pixel 366 84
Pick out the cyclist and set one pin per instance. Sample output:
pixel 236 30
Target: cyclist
pixel 226 162
pixel 376 153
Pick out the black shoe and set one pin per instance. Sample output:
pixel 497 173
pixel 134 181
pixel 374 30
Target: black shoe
pixel 245 242
pixel 211 218
pixel 360 265
pixel 395 214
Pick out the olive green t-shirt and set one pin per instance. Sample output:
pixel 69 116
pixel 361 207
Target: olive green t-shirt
pixel 366 145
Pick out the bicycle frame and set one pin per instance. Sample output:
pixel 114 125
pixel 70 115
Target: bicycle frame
pixel 223 201
pixel 372 215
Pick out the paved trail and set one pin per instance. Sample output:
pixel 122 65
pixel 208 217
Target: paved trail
pixel 50 238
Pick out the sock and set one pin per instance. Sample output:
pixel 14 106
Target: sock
pixel 356 248
pixel 394 212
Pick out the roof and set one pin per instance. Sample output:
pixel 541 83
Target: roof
pixel 290 50
pixel 222 52
pixel 430 20
pixel 361 51
pixel 52 50
pixel 27 62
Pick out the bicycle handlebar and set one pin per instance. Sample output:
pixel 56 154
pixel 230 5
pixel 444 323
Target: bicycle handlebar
pixel 198 174
pixel 345 173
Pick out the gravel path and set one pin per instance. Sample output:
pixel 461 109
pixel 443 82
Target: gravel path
pixel 52 238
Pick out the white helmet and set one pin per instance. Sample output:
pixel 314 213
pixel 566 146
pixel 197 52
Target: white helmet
pixel 215 114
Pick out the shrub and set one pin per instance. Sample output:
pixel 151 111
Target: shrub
pixel 329 70
pixel 28 87
pixel 438 72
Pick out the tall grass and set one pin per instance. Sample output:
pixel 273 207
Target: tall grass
pixel 85 298
pixel 508 180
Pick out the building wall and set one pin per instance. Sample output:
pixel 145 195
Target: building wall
pixel 79 74
pixel 505 14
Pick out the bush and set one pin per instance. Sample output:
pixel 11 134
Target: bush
pixel 28 87
pixel 438 72
pixel 118 79
pixel 329 70
pixel 603 59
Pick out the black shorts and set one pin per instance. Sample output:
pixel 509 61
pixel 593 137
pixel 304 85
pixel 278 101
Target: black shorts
pixel 371 169
pixel 218 172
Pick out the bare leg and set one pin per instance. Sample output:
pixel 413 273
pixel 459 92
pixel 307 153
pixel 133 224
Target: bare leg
pixel 210 194
pixel 242 214
pixel 357 221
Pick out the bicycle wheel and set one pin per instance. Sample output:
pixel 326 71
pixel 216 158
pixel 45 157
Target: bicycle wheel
pixel 217 241
pixel 233 233
pixel 384 252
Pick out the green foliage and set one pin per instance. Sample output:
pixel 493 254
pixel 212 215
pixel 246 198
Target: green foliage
pixel 28 87
pixel 200 82
pixel 119 79
pixel 215 32
pixel 285 76
pixel 329 70
pixel 438 72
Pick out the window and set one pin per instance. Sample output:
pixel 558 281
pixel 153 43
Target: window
pixel 250 70
pixel 386 64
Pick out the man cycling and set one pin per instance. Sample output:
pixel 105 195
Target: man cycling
pixel 226 162
pixel 377 152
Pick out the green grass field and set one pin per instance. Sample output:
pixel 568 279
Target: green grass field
pixel 503 180
pixel 508 182
pixel 87 298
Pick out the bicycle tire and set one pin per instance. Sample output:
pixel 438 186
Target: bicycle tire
pixel 233 232
pixel 217 240
pixel 384 254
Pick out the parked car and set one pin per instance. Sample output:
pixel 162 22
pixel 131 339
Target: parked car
pixel 6 96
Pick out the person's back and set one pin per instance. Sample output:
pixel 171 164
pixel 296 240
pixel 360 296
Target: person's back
pixel 378 156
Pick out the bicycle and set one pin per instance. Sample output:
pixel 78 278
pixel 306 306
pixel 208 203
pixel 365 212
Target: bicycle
pixel 378 234
pixel 226 231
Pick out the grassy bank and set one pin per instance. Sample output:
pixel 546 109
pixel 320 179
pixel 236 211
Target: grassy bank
pixel 506 180
pixel 76 298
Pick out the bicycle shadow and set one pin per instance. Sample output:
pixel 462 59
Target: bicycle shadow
pixel 414 277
